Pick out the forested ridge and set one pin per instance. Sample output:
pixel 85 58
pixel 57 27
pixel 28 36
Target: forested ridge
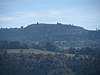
pixel 59 34
pixel 49 49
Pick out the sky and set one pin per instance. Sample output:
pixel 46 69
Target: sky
pixel 17 13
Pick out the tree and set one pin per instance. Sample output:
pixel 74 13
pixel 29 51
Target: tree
pixel 24 46
pixel 71 50
pixel 14 45
pixel 22 27
pixel 50 47
pixel 4 44
pixel 34 46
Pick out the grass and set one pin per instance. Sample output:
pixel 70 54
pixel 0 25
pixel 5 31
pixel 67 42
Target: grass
pixel 35 51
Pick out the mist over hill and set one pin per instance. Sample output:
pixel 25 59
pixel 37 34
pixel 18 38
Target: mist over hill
pixel 65 35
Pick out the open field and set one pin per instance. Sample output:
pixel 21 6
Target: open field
pixel 35 51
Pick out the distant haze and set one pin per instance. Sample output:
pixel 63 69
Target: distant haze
pixel 17 13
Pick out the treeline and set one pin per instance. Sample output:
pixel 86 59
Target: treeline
pixel 49 47
pixel 58 64
pixel 17 45
pixel 82 51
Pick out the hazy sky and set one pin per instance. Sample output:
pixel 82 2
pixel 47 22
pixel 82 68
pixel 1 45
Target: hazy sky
pixel 16 13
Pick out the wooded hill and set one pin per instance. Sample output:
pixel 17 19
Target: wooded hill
pixel 65 35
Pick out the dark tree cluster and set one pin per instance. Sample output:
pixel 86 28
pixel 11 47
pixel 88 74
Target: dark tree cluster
pixel 85 64
pixel 83 51
pixel 50 47
pixel 12 45
pixel 17 45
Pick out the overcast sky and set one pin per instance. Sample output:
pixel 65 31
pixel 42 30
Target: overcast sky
pixel 16 13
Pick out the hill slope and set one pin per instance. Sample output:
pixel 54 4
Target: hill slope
pixel 60 34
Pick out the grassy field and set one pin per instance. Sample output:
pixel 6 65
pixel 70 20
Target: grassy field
pixel 35 51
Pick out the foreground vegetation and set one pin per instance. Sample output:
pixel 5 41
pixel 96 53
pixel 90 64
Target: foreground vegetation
pixel 38 63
